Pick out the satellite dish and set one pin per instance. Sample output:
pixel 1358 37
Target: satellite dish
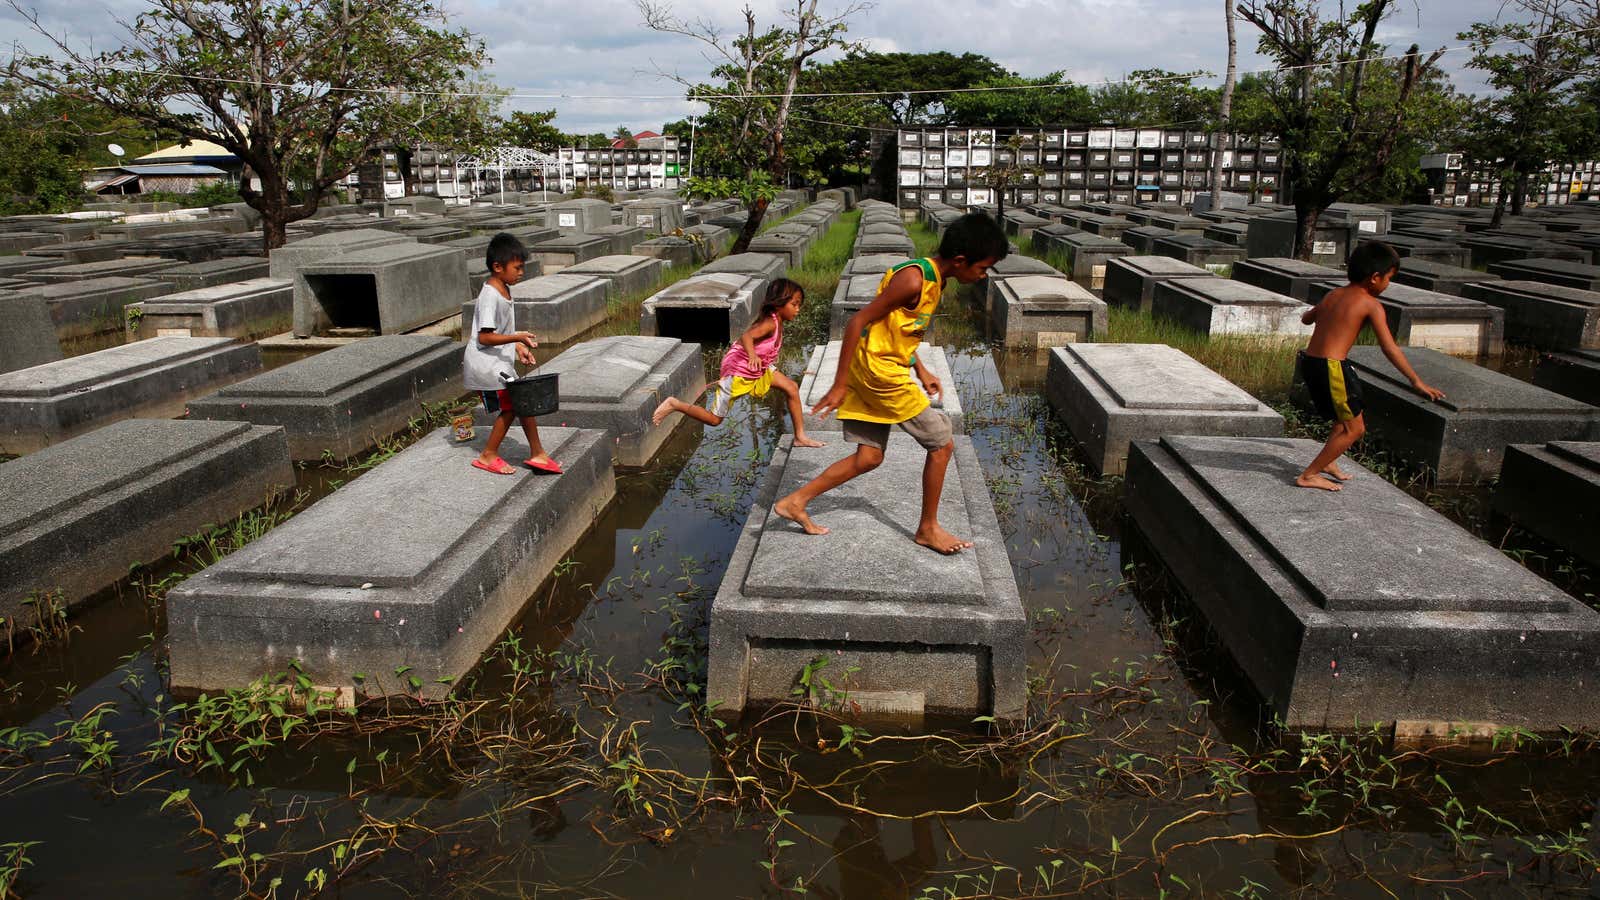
pixel 116 149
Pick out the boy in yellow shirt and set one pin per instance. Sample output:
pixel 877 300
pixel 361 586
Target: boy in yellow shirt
pixel 873 388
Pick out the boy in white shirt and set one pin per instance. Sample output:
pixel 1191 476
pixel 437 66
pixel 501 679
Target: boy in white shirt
pixel 494 348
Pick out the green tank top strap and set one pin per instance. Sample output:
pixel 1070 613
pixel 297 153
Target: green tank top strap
pixel 928 271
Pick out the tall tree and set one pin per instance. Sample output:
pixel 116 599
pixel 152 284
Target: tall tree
pixel 1021 102
pixel 1225 111
pixel 1338 136
pixel 894 74
pixel 533 130
pixel 749 63
pixel 301 91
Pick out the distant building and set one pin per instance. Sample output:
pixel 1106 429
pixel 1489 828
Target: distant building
pixel 179 169
pixel 638 140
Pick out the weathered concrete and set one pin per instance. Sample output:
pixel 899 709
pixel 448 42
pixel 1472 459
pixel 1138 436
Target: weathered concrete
pixel 623 237
pixel 381 290
pixel 416 567
pixel 823 366
pixel 764 267
pixel 17 266
pixel 1547 316
pixel 128 491
pixel 854 293
pixel 1420 249
pixel 285 261
pixel 1086 257
pixel 1095 223
pixel 568 250
pixel 874 264
pixel 1110 395
pixel 1143 238
pixel 1488 248
pixel 1273 235
pixel 672 250
pixel 93 308
pixel 1433 276
pixel 556 308
pixel 927 633
pixel 1574 374
pixel 413 205
pixel 790 245
pixel 1444 322
pixel 1553 490
pixel 1232 233
pixel 578 215
pixel 29 337
pixel 654 217
pixel 345 400
pixel 715 240
pixel 90 250
pixel 47 404
pixel 1039 311
pixel 1457 634
pixel 1286 276
pixel 1563 272
pixel 885 244
pixel 1131 281
pixel 615 384
pixel 227 270
pixel 246 310
pixel 1213 256
pixel 1216 306
pixel 623 275
pixel 714 307
pixel 115 268
pixel 1462 438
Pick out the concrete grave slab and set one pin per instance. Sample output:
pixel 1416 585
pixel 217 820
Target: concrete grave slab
pixel 381 290
pixel 246 310
pixel 1426 250
pixel 1574 374
pixel 1458 634
pixel 89 309
pixel 624 274
pixel 674 251
pixel 1463 437
pixel 1553 490
pixel 1086 257
pixel 615 384
pixel 44 405
pixel 1213 256
pixel 17 266
pixel 1547 316
pixel 582 216
pixel 1444 322
pixel 714 307
pixel 18 241
pixel 557 308
pixel 417 566
pixel 227 270
pixel 29 336
pixel 569 249
pixel 1434 276
pixel 414 205
pixel 1273 235
pixel 1234 234
pixel 1110 395
pixel 1563 272
pixel 129 267
pixel 1143 238
pixel 1289 277
pixel 790 245
pixel 1131 281
pixel 91 250
pixel 1216 306
pixel 1045 236
pixel 345 400
pixel 715 239
pixel 1095 223
pixel 1489 248
pixel 128 490
pixel 623 237
pixel 285 261
pixel 654 217
pixel 885 245
pixel 822 366
pixel 947 634
pixel 1040 311
pixel 872 264
pixel 764 267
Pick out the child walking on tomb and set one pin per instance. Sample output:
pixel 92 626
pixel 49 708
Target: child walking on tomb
pixel 873 388
pixel 1329 377
pixel 750 366
pixel 493 350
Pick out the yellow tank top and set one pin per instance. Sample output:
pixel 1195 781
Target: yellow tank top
pixel 880 386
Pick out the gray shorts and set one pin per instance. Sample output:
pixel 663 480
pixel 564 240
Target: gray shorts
pixel 931 428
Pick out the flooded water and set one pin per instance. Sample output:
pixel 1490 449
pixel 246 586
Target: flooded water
pixel 580 761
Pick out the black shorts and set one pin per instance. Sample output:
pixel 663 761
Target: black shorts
pixel 1334 386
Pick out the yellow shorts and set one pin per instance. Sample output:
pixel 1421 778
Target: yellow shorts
pixel 737 386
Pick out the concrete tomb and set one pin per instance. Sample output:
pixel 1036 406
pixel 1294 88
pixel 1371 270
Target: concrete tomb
pixel 623 237
pixel 904 629
pixel 1553 490
pixel 1457 634
pixel 853 294
pixel 1110 395
pixel 615 384
pixel 1574 374
pixel 285 261
pixel 1564 272
pixel 764 267
pixel 672 250
pixel 1426 250
pixel 1094 223
pixel 29 337
pixel 578 215
pixel 713 308
pixel 1548 316
pixel 623 275
pixel 76 516
pixel 17 266
pixel 792 246
pixel 570 249
pixel 885 244
pixel 1087 257
pixel 245 309
pixel 1143 238
pixel 1217 306
pixel 1286 276
pixel 345 400
pixel 87 309
pixel 1130 281
pixel 397 582
pixel 1039 311
pixel 823 366
pixel 1273 235
pixel 715 240
pixel 1045 237
pixel 1232 233
pixel 556 308
pixel 414 205
pixel 115 268
pixel 1443 322
pixel 872 264
pixel 1463 437
pixel 1213 256
pixel 91 250
pixel 654 217
pixel 47 404
pixel 1489 248
pixel 227 270
pixel 381 290
pixel 1434 276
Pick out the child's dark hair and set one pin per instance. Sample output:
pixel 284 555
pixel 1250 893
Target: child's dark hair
pixel 976 237
pixel 503 248
pixel 778 294
pixel 1369 259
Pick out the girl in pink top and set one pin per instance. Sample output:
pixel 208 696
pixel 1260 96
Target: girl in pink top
pixel 750 366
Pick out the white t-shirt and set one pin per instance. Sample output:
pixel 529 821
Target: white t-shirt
pixel 482 365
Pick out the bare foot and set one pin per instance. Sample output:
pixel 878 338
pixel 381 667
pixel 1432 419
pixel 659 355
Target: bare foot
pixel 795 512
pixel 801 440
pixel 1313 481
pixel 936 538
pixel 662 411
pixel 1333 471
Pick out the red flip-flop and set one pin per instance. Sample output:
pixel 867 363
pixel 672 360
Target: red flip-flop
pixel 549 466
pixel 498 467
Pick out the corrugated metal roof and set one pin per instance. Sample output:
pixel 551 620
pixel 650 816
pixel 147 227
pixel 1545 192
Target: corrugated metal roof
pixel 191 150
pixel 115 182
pixel 175 169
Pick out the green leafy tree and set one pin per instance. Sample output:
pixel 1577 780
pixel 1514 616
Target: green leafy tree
pixel 301 91
pixel 895 72
pixel 1339 132
pixel 533 130
pixel 1047 99
pixel 624 134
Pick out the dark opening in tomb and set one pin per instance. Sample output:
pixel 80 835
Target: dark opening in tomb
pixel 350 302
pixel 693 324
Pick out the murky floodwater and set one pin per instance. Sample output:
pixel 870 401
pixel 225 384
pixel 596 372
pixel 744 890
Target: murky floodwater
pixel 1147 768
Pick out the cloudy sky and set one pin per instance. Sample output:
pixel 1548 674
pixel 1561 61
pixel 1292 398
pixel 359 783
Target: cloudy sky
pixel 597 65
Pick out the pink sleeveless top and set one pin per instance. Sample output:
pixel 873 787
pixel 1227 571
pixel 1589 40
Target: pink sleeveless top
pixel 735 362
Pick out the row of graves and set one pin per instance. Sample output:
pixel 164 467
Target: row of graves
pixel 418 564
